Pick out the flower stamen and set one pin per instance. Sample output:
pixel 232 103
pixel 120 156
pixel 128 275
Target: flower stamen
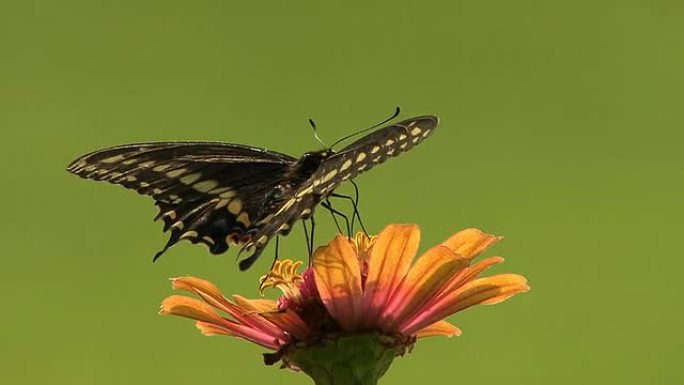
pixel 283 276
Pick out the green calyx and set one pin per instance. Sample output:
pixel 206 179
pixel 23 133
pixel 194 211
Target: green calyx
pixel 346 360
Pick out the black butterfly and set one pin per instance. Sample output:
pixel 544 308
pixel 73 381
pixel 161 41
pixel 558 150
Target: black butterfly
pixel 221 193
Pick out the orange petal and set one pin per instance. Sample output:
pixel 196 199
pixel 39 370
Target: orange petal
pixel 213 296
pixel 210 329
pixel 338 278
pixel 205 289
pixel 441 328
pixel 469 274
pixel 192 284
pixel 389 262
pixel 189 308
pixel 255 305
pixel 424 281
pixel 470 242
pixel 489 290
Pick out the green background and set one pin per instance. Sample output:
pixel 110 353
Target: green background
pixel 561 128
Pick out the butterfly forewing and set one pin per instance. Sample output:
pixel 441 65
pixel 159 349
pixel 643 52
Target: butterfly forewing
pixel 371 150
pixel 211 193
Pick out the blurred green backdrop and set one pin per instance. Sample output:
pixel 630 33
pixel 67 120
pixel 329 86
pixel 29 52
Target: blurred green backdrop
pixel 561 128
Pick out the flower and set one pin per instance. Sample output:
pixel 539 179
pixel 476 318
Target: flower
pixel 364 290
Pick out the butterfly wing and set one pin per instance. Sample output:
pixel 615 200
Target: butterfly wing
pixel 371 150
pixel 334 169
pixel 210 193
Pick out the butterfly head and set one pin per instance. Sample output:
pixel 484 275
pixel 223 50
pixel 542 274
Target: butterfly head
pixel 311 161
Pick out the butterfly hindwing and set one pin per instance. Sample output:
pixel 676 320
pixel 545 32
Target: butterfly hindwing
pixel 210 193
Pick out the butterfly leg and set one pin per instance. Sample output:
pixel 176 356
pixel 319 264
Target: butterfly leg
pixel 306 235
pixel 355 203
pixel 309 235
pixel 326 204
pixel 311 247
pixel 332 214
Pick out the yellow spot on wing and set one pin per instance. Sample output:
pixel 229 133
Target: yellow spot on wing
pixel 131 178
pixel 161 167
pixel 416 131
pixel 402 137
pixel 219 190
pixel 329 176
pixel 128 162
pixel 189 234
pixel 389 142
pixel 190 178
pixel 205 185
pixel 227 195
pixel 304 192
pixel 361 156
pixel 176 173
pixel 244 219
pixel 113 159
pixel 178 225
pixel 375 149
pixel 208 240
pixel 235 206
pixel 266 219
pixel 346 165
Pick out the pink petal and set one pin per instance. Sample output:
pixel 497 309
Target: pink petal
pixel 237 330
pixel 424 281
pixel 214 297
pixel 487 291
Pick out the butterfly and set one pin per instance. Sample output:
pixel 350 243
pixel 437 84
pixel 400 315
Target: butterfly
pixel 220 194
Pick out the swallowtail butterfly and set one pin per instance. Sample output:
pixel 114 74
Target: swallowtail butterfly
pixel 221 193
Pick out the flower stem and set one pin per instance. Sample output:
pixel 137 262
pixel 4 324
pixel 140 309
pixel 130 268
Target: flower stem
pixel 351 360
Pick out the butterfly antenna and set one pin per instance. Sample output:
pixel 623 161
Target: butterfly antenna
pixel 315 132
pixel 394 115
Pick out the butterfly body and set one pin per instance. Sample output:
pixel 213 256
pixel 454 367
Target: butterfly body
pixel 220 194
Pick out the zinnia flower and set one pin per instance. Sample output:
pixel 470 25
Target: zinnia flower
pixel 361 303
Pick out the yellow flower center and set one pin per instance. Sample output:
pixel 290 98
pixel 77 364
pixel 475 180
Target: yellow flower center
pixel 283 276
pixel 363 244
